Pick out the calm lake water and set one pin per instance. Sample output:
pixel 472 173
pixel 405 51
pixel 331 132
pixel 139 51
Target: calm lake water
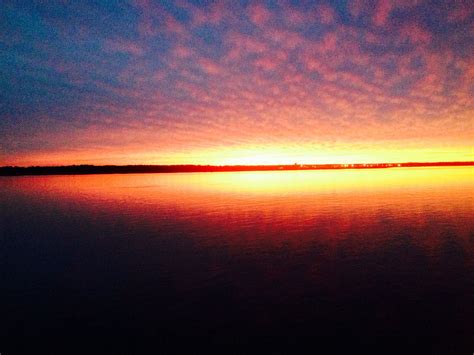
pixel 354 252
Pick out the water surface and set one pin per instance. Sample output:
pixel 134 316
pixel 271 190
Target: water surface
pixel 353 252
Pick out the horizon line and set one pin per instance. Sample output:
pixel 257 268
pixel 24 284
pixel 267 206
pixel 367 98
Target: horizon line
pixel 84 169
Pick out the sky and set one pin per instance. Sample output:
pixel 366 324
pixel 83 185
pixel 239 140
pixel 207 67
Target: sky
pixel 236 82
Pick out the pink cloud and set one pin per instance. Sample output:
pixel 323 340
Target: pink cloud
pixel 266 63
pixel 154 19
pixel 259 14
pixel 254 46
pixel 271 60
pixel 181 51
pixel 355 8
pixel 382 12
pixel 326 14
pixel 414 33
pixel 214 14
pixel 172 25
pixel 373 38
pixel 294 17
pixel 242 44
pixel 287 39
pixel 461 11
pixel 329 42
pixel 209 66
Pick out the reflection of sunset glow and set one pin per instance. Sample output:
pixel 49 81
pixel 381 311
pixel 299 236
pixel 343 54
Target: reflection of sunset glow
pixel 189 186
pixel 289 208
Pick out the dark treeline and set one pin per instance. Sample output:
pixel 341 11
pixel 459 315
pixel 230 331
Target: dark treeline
pixel 140 169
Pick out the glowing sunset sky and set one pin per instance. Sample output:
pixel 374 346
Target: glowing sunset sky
pixel 236 82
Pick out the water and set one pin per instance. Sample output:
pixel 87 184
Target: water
pixel 356 252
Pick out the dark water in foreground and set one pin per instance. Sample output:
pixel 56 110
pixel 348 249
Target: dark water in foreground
pixel 359 253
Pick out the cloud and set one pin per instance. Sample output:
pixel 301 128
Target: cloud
pixel 259 14
pixel 209 66
pixel 326 14
pixel 184 82
pixel 382 12
pixel 460 11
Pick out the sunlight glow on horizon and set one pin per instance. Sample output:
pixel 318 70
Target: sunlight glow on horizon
pixel 251 156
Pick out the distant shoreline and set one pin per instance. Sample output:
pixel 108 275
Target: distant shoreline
pixel 153 169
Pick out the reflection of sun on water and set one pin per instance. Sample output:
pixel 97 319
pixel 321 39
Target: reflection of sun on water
pixel 265 182
pixel 277 206
pixel 320 181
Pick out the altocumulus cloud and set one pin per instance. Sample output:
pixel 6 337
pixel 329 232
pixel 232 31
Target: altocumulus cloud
pixel 215 82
